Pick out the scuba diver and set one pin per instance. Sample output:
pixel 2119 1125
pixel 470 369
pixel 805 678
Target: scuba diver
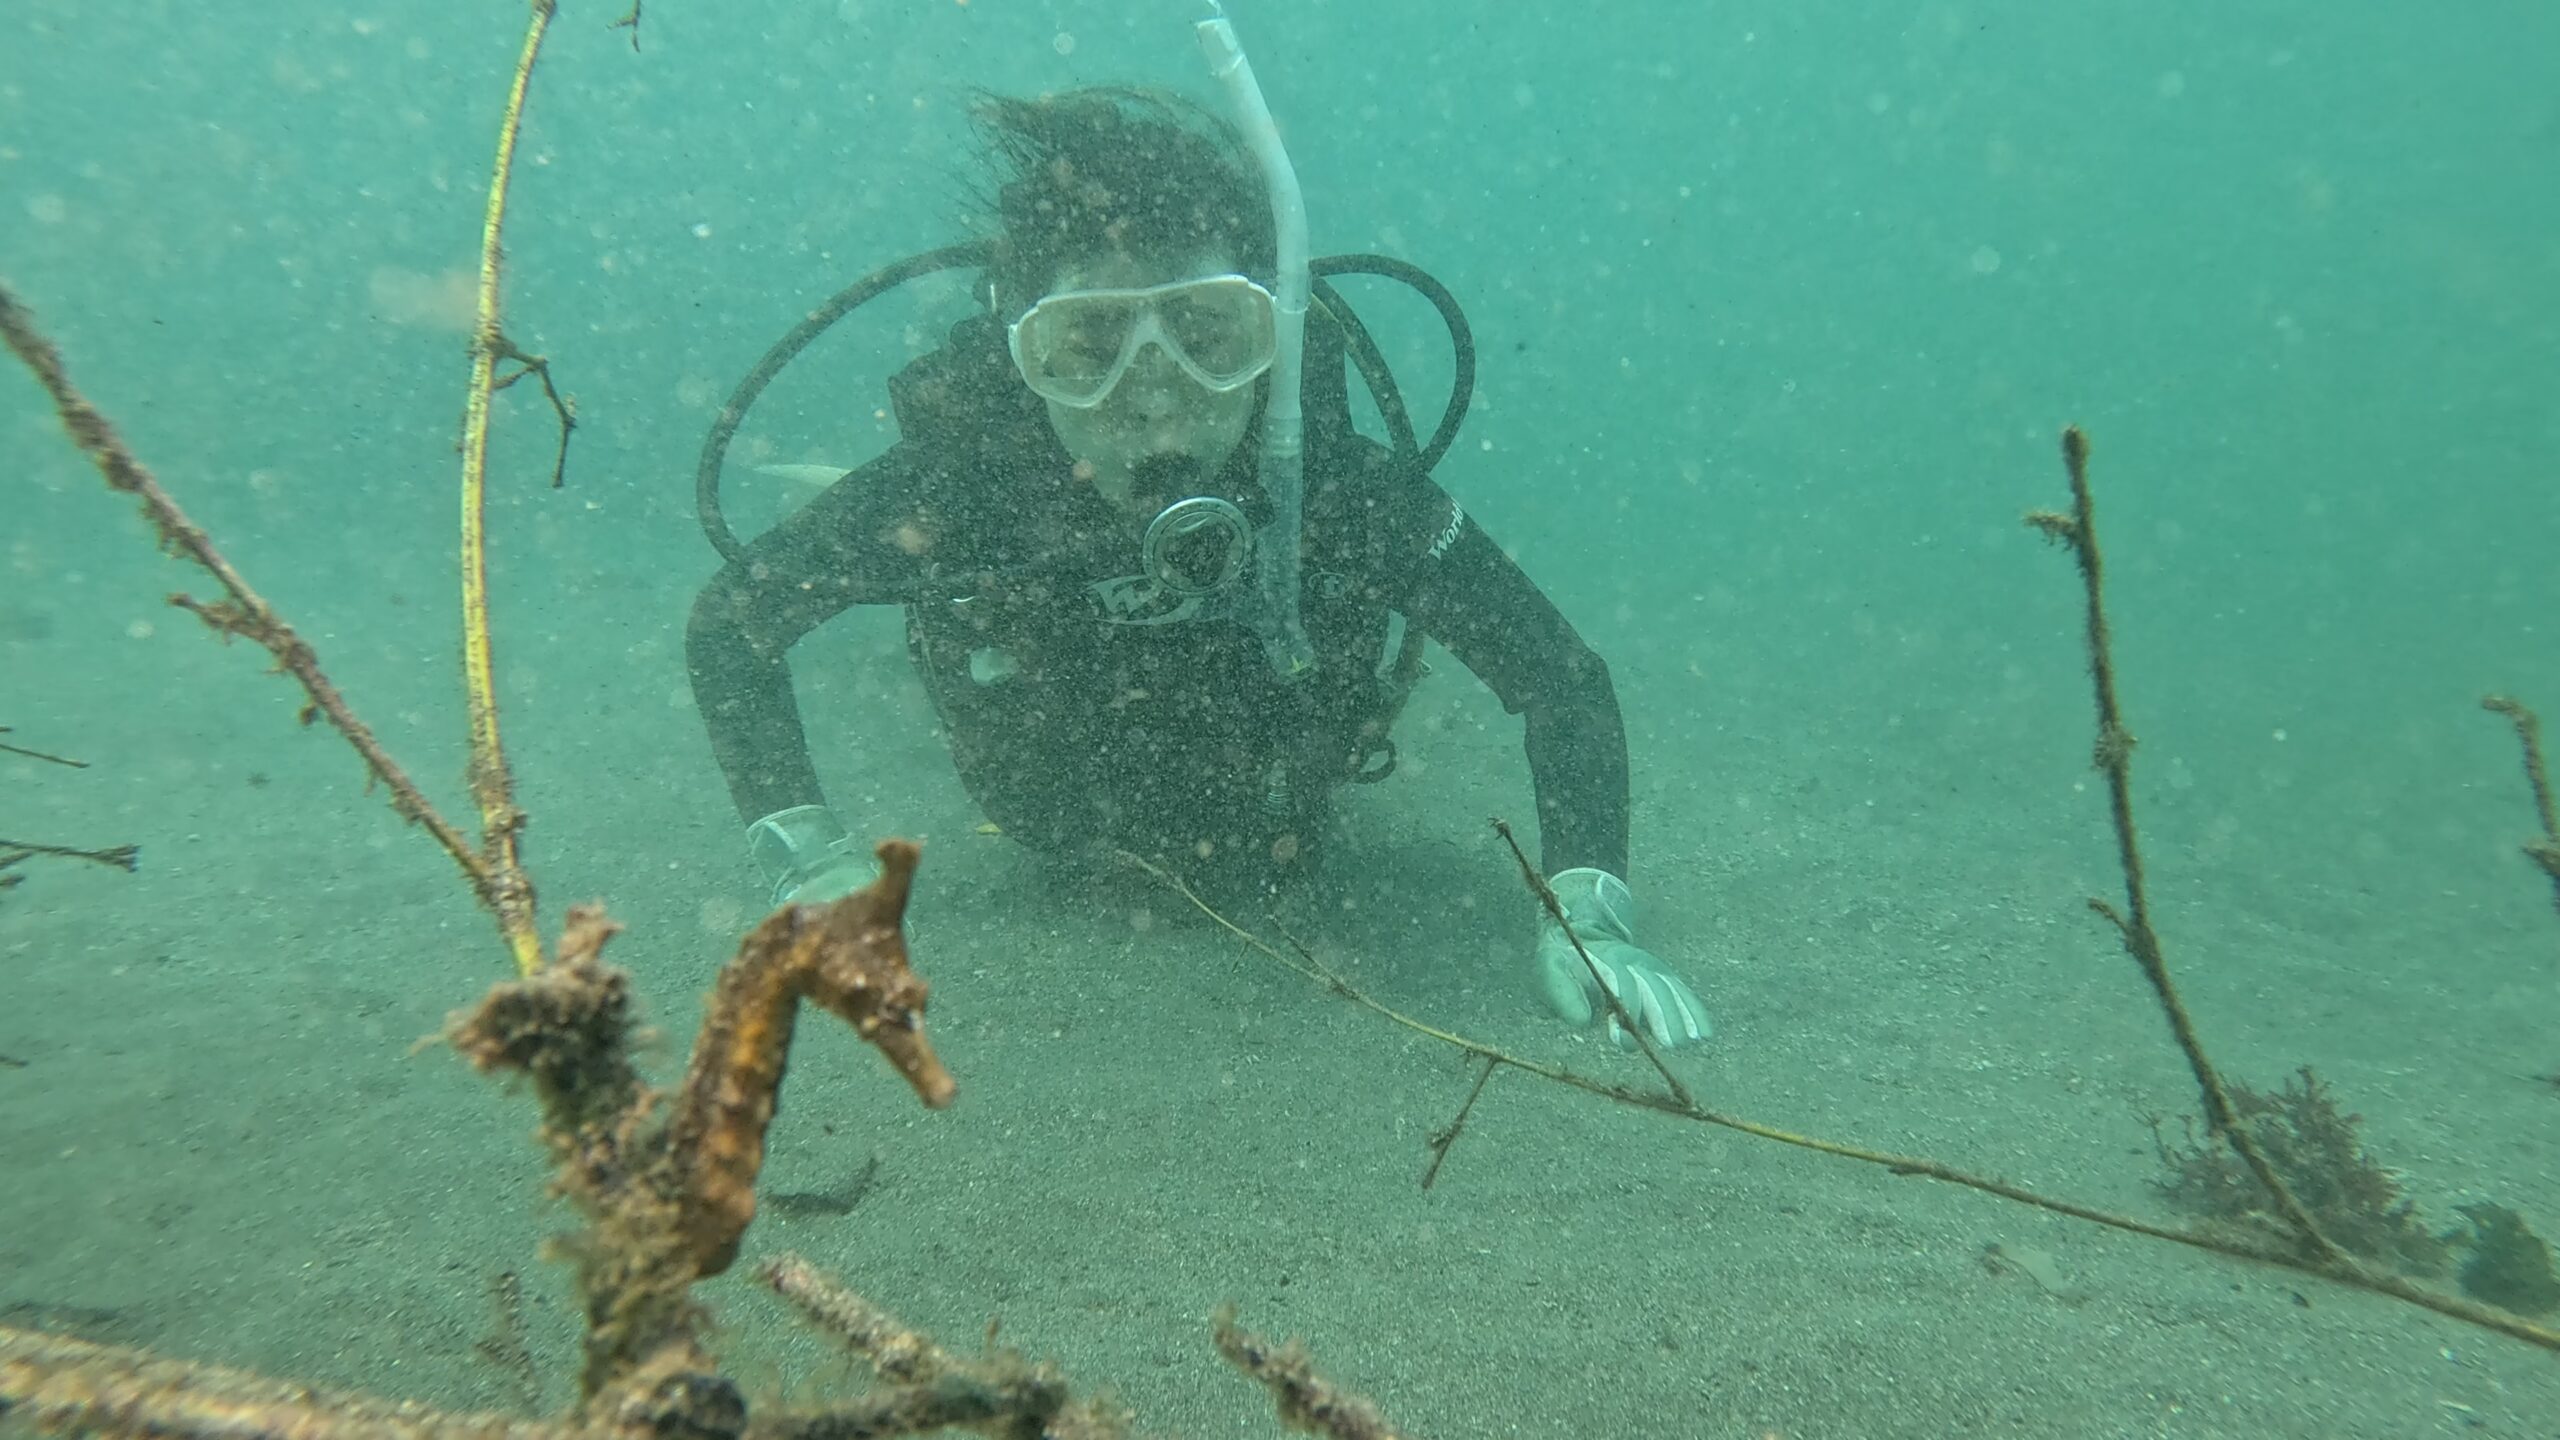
pixel 1163 596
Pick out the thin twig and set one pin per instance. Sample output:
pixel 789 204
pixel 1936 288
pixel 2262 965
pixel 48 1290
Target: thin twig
pixel 2544 849
pixel 2529 736
pixel 39 754
pixel 995 1393
pixel 2338 1267
pixel 566 408
pixel 2113 756
pixel 1555 911
pixel 57 1385
pixel 245 613
pixel 1447 1136
pixel 896 1351
pixel 121 857
pixel 1305 1400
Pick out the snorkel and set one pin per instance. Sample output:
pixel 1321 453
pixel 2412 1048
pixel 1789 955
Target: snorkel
pixel 1273 609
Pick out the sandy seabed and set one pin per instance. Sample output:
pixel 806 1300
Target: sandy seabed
pixel 225 1144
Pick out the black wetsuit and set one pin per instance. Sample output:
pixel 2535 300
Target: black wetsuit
pixel 1085 706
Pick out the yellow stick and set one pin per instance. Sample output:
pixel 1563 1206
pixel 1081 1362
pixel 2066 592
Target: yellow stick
pixel 491 786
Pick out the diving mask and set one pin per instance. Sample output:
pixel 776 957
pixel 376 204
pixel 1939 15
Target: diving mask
pixel 1073 346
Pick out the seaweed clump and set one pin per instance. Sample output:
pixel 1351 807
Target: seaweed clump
pixel 2319 1152
pixel 2510 1266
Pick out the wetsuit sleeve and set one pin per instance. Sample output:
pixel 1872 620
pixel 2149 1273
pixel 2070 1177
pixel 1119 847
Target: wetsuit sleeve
pixel 855 544
pixel 1473 599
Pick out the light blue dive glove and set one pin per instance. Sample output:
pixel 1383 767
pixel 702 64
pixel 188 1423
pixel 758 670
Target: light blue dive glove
pixel 807 856
pixel 1602 912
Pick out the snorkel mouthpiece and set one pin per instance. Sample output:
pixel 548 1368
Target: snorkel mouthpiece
pixel 1273 611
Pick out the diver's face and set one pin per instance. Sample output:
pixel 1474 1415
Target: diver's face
pixel 1157 421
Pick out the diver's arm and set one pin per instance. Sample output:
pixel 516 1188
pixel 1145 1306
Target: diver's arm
pixel 1473 599
pixel 835 552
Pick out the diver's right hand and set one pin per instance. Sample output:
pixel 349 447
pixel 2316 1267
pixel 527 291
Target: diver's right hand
pixel 808 858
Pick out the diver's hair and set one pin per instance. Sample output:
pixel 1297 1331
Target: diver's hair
pixel 1114 171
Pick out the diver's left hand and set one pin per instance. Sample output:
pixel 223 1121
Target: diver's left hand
pixel 1602 912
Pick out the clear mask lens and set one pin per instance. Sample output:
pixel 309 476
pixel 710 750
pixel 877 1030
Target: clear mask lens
pixel 1073 347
